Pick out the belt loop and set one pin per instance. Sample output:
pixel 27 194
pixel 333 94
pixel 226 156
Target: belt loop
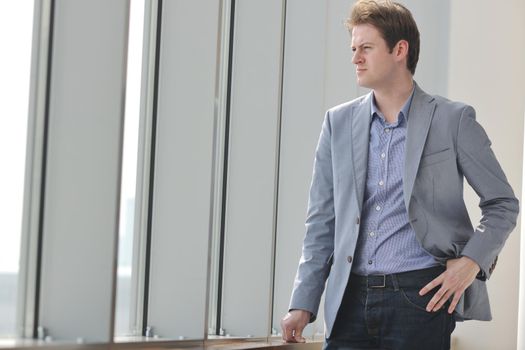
pixel 395 282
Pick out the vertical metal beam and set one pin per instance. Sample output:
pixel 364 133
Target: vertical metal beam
pixel 277 170
pixel 145 166
pixel 28 277
pixel 219 166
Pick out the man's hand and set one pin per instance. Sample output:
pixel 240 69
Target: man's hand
pixel 458 276
pixel 293 324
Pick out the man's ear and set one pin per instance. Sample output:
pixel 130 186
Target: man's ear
pixel 401 49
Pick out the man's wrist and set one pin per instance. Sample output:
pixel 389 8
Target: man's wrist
pixel 481 274
pixel 309 314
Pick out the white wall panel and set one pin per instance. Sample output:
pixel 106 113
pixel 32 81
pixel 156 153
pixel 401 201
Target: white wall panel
pixel 251 188
pixel 82 185
pixel 183 169
pixel 433 21
pixel 487 51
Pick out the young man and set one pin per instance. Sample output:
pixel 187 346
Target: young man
pixel 386 223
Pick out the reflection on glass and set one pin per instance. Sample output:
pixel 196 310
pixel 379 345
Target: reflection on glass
pixel 16 18
pixel 123 325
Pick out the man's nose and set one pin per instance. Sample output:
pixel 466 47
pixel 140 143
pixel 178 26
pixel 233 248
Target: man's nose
pixel 356 58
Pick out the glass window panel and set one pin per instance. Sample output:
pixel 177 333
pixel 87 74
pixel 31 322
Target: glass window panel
pixel 16 19
pixel 123 325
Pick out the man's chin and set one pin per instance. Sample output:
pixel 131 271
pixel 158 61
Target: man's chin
pixel 363 83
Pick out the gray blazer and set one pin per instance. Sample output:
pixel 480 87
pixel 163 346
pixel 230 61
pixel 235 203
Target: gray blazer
pixel 444 144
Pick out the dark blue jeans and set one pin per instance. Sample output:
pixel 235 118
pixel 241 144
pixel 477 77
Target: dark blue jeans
pixel 386 312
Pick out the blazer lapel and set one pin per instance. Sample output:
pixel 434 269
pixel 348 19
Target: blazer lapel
pixel 419 119
pixel 360 132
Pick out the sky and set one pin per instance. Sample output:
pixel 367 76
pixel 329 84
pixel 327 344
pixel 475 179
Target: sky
pixel 15 37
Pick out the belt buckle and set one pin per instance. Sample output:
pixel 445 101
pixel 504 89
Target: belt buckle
pixel 383 285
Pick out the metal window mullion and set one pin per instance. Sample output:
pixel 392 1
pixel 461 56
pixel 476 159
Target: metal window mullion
pixel 27 301
pixel 118 185
pixel 145 166
pixel 277 169
pixel 223 78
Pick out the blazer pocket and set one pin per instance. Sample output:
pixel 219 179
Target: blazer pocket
pixel 436 157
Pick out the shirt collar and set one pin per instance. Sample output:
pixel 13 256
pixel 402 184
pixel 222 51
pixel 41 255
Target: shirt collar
pixel 404 110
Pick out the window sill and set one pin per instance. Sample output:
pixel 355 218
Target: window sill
pixel 156 344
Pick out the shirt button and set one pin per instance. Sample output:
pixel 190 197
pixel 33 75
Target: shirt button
pixel 378 207
pixel 383 155
pixel 381 183
pixel 372 234
pixel 370 262
pixel 349 259
pixel 387 130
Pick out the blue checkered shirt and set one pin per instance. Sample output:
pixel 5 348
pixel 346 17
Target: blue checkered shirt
pixel 387 243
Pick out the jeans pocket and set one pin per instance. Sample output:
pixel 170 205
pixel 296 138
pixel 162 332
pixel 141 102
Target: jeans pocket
pixel 412 298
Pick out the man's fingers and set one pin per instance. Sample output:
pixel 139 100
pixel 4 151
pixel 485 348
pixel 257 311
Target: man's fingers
pixel 435 299
pixel 442 301
pixel 287 334
pixel 293 324
pixel 432 284
pixel 459 275
pixel 454 302
pixel 298 336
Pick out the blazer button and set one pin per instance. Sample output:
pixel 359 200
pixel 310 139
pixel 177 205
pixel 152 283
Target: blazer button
pixel 349 259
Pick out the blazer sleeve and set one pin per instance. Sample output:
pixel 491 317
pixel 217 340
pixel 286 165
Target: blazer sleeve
pixel 499 206
pixel 318 244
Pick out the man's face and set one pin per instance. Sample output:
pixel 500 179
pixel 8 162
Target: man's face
pixel 375 65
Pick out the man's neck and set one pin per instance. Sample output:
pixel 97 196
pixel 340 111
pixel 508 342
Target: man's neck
pixel 389 100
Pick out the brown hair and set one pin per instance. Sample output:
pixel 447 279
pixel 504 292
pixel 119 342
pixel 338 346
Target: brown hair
pixel 393 20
